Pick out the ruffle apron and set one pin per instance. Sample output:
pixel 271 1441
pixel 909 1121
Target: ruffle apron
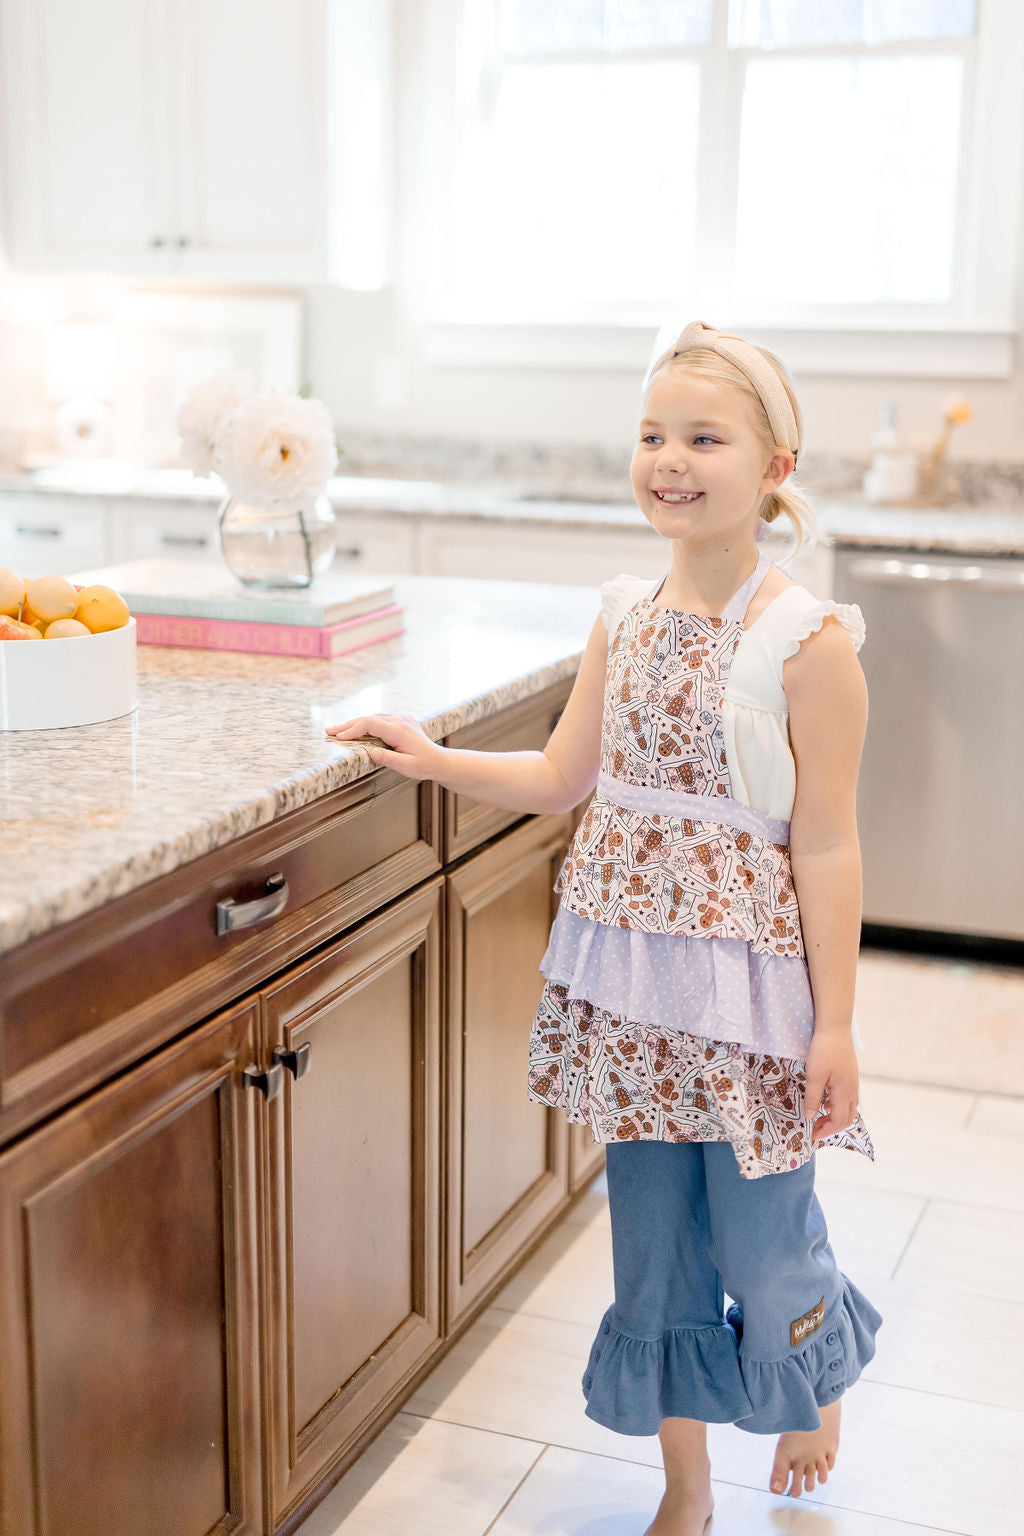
pixel 677 1000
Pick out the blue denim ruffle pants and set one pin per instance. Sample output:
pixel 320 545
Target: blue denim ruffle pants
pixel 687 1229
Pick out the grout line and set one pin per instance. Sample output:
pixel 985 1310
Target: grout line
pixel 910 1238
pixel 529 1471
pixel 971 1114
pixel 950 1397
pixel 729 1482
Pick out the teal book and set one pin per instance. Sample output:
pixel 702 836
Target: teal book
pixel 206 589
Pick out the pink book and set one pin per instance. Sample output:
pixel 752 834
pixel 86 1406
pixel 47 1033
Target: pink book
pixel 271 639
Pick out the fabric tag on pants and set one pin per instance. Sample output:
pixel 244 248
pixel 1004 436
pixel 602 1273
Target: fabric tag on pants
pixel 799 1330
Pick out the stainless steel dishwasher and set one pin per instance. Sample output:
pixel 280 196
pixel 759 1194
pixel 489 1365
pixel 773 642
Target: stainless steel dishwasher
pixel 940 806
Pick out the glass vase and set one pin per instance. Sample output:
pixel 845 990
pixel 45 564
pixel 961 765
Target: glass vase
pixel 273 547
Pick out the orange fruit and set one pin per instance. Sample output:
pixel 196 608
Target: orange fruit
pixel 101 608
pixel 12 591
pixel 52 597
pixel 65 629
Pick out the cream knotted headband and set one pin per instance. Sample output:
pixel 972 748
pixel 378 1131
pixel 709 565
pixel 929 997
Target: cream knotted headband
pixel 757 369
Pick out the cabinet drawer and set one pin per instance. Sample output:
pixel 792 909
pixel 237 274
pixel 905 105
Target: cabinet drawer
pixel 365 544
pixel 52 535
pixel 523 727
pixel 88 998
pixel 174 530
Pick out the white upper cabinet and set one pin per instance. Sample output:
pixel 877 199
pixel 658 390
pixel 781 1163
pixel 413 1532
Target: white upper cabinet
pixel 172 136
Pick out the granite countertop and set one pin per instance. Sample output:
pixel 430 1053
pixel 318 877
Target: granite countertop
pixel 850 520
pixel 223 742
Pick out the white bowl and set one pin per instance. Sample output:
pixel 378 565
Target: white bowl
pixel 45 684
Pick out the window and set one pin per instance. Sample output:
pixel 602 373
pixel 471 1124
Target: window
pixel 836 164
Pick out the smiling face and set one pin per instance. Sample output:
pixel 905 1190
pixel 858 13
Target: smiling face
pixel 697 436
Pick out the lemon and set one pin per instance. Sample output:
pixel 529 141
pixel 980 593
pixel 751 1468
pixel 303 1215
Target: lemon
pixel 52 597
pixel 101 608
pixel 12 591
pixel 65 629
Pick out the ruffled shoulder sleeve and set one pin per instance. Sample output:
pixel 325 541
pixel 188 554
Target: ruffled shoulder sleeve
pixel 813 613
pixel 616 596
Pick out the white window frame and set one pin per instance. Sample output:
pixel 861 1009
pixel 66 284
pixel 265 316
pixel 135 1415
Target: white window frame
pixel 972 337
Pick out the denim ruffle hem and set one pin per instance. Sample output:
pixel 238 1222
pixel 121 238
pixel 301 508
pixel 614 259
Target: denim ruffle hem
pixel 701 1372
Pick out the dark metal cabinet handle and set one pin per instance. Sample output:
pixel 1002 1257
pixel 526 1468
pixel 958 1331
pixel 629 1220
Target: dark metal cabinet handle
pixel 31 531
pixel 191 540
pixel 157 241
pixel 183 240
pixel 297 1062
pixel 232 914
pixel 269 1083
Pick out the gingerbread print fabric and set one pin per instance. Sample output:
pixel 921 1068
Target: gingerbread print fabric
pixel 663 873
pixel 662 728
pixel 631 1082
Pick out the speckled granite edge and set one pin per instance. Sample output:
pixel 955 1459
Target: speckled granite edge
pixel 26 917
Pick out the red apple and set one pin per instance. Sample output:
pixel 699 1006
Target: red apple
pixel 13 629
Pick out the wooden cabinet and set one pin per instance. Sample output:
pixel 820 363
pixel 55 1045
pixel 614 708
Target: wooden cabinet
pixel 352 1200
pixel 254 1180
pixel 507 1156
pixel 129 1338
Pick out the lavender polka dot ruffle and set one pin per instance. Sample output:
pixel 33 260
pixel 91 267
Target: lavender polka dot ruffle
pixel 716 987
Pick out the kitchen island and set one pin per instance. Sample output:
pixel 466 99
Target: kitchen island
pixel 265 1145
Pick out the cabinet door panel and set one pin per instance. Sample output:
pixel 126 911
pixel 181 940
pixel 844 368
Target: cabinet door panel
pixel 353 1194
pixel 253 134
pixel 91 185
pixel 127 1352
pixel 508 1156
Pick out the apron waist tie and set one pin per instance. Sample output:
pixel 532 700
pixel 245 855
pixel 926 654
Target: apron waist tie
pixel 680 802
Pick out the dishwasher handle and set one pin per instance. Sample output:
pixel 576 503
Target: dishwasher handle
pixel 885 571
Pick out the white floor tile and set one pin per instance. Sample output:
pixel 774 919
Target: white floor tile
pixel 570 1275
pixel 996 1115
pixel 941 1341
pixel 926 1019
pixel 868 1229
pixel 905 1455
pixel 569 1493
pixel 939 1162
pixel 971 1248
pixel 916 1106
pixel 425 1476
pixel 521 1375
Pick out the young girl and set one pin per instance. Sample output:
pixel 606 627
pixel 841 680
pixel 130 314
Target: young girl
pixel 697 1011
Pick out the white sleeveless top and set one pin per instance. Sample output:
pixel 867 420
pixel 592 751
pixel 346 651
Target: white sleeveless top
pixel 755 711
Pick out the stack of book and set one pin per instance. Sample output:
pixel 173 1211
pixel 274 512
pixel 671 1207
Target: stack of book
pixel 200 604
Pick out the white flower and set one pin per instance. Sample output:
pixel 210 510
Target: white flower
pixel 202 413
pixel 276 447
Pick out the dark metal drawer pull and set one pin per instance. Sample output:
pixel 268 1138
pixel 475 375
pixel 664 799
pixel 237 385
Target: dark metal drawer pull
pixel 232 914
pixel 37 532
pixel 297 1062
pixel 269 1083
pixel 193 541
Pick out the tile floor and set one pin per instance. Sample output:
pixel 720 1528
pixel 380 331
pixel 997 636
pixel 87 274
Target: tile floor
pixel 495 1440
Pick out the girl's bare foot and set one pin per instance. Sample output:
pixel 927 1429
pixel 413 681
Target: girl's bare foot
pixel 684 1511
pixel 807 1454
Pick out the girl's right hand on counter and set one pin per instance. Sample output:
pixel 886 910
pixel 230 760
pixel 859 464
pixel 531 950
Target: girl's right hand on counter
pixel 406 746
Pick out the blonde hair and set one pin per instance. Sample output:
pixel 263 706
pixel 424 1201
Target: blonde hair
pixel 787 499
